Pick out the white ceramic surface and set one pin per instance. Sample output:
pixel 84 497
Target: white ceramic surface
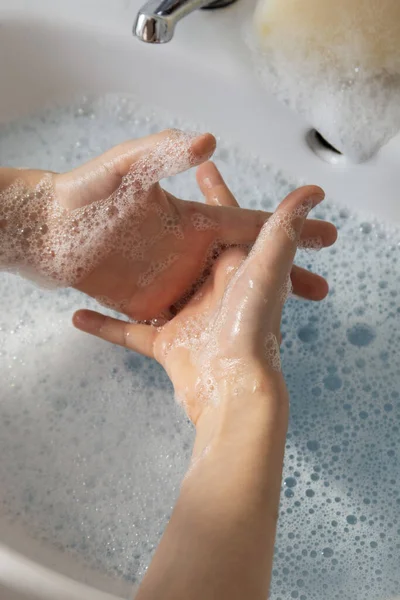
pixel 54 50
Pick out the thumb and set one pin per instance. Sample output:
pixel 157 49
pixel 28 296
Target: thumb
pixel 147 160
pixel 271 258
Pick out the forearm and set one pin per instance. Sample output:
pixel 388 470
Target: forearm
pixel 219 542
pixel 7 177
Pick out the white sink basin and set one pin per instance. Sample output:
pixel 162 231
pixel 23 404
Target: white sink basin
pixel 54 51
pixel 58 49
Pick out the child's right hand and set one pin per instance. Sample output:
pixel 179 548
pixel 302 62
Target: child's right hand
pixel 226 339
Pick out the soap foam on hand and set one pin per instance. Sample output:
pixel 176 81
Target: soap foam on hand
pixel 54 246
pixel 215 337
pixel 337 62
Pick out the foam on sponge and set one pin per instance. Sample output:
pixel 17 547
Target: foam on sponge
pixel 337 62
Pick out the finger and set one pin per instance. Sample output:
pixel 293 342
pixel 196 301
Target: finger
pixel 272 255
pixel 225 268
pixel 213 186
pixel 217 193
pixel 308 285
pixel 120 158
pixel 139 338
pixel 243 226
pixel 314 229
pixel 156 156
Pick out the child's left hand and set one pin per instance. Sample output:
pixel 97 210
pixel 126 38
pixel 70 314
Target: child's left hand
pixel 83 233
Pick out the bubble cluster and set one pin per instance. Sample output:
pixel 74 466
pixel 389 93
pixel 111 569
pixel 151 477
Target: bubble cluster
pixel 203 223
pixel 314 243
pixel 286 290
pixel 93 445
pixel 284 221
pixel 272 351
pixel 361 334
pixel 170 223
pixel 155 268
pixel 330 61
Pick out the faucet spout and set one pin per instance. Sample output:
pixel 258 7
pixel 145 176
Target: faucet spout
pixel 156 20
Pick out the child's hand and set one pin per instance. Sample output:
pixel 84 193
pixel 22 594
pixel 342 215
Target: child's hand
pixel 226 339
pixel 140 254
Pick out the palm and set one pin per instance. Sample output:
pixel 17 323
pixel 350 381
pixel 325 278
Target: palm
pixel 202 328
pixel 120 281
pixel 174 354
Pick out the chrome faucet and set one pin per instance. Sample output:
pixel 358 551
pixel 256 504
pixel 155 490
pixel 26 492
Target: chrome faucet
pixel 156 20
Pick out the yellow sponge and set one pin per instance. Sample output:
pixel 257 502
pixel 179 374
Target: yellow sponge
pixel 362 33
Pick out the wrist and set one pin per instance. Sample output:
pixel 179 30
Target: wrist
pixel 249 406
pixel 7 177
pixel 22 222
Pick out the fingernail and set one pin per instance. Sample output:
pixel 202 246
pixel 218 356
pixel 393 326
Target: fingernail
pixel 203 146
pixel 79 319
pixel 87 321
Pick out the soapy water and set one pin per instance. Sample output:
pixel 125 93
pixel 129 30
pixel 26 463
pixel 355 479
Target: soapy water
pixel 94 447
pixel 337 63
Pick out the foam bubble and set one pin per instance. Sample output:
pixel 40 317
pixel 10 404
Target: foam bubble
pixel 286 290
pixel 155 268
pixel 314 244
pixel 202 223
pixel 273 352
pixel 284 221
pixel 361 334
